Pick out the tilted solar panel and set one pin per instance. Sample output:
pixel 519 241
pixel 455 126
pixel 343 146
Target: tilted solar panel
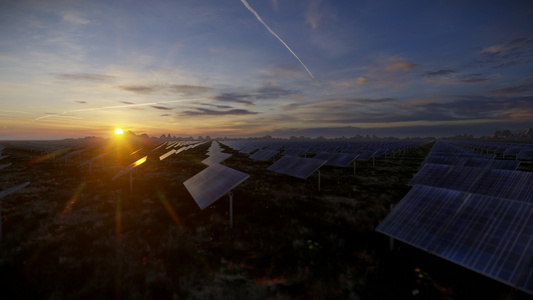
pixel 508 184
pixel 492 236
pixel 10 190
pixel 5 165
pixel 169 153
pixel 365 155
pixel 327 156
pixel 130 167
pixel 342 159
pixel 212 183
pixel 505 164
pixel 263 154
pixel 294 151
pixel 216 158
pixel 248 149
pixel 526 153
pixel 296 166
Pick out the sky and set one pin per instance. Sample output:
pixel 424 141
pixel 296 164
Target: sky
pixel 239 68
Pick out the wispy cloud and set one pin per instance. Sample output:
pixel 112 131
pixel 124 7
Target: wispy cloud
pixel 439 72
pixel 524 89
pixel 74 19
pixel 210 112
pixel 238 98
pixel 82 102
pixel 387 71
pixel 275 35
pixel 160 107
pixel 181 89
pixel 85 77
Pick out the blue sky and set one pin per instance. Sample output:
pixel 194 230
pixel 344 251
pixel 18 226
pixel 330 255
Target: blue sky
pixel 250 68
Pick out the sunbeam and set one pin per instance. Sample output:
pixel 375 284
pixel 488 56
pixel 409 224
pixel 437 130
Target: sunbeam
pixel 169 208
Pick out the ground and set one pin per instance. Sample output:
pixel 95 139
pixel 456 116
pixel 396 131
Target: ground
pixel 75 234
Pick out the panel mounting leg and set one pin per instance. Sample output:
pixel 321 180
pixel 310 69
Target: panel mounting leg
pixel 318 180
pixel 230 194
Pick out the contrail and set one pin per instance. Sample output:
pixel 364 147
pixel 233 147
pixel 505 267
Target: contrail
pixel 133 105
pixel 274 34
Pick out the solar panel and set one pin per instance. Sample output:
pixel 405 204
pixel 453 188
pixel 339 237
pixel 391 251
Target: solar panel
pixel 248 149
pixel 169 153
pixel 327 156
pixel 12 189
pixel 365 155
pixel 294 151
pixel 95 158
pixel 505 164
pixel 296 166
pixel 489 235
pixel 342 159
pixel 526 153
pixel 263 155
pixel 216 158
pixel 508 184
pixel 130 167
pixel 212 183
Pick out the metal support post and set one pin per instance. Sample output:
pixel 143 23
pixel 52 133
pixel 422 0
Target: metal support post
pixel 318 180
pixel 230 194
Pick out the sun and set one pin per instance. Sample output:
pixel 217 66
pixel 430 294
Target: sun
pixel 119 131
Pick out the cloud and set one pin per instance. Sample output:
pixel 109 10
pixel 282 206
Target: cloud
pixel 397 64
pixel 273 92
pixel 181 89
pixel 440 72
pixel 85 77
pixel 82 102
pixel 126 102
pixel 471 78
pixel 160 107
pixel 210 112
pixel 313 15
pixel 188 89
pixel 362 80
pixel 238 98
pixel 217 106
pixel 165 115
pixel 526 89
pixel 74 19
pixel 139 89
pixel 387 71
pixel 506 54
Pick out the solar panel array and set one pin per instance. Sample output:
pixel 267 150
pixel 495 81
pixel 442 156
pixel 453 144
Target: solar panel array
pixel 489 235
pixel 478 217
pixel 296 166
pixel 212 183
pixel 472 162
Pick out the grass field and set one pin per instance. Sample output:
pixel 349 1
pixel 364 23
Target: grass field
pixel 72 234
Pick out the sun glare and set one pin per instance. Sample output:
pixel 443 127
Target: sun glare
pixel 119 131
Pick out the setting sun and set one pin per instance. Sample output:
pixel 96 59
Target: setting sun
pixel 119 131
